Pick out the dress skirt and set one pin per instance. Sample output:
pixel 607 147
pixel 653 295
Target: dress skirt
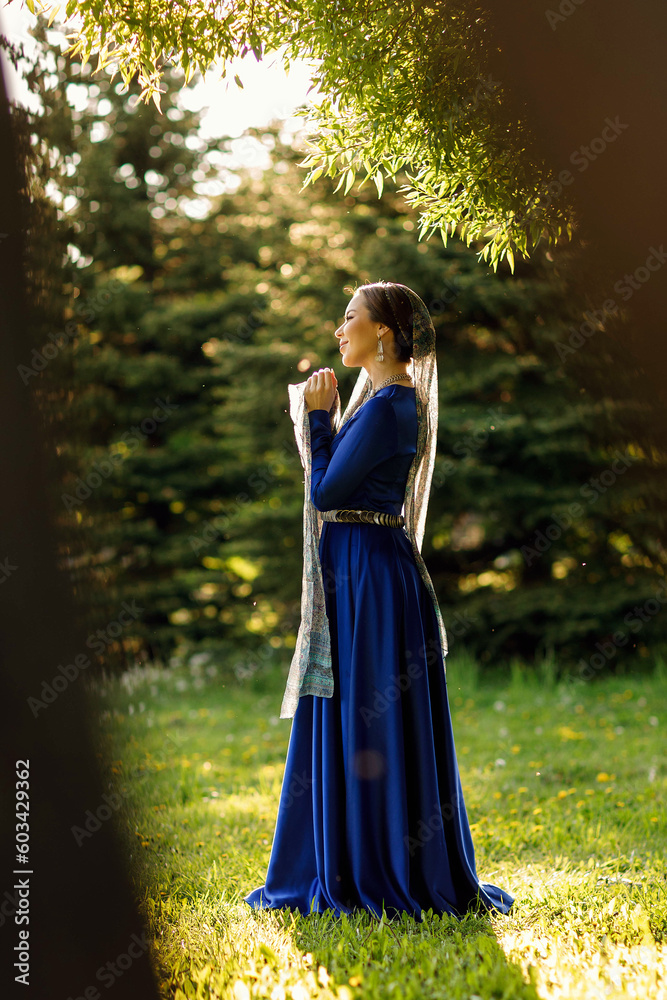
pixel 371 813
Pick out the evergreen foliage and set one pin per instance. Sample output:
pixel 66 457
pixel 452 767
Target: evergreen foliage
pixel 545 532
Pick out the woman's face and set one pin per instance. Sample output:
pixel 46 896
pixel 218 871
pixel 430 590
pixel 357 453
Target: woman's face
pixel 357 334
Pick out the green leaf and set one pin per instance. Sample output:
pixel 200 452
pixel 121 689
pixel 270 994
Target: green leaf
pixel 387 118
pixel 269 953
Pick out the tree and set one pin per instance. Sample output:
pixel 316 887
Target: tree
pixel 135 429
pixel 407 90
pixel 46 370
pixel 199 520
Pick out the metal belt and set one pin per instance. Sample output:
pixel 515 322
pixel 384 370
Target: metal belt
pixel 364 517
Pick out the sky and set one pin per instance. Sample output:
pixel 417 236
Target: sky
pixel 268 92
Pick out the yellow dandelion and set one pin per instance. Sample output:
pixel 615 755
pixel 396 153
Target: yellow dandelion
pixel 566 733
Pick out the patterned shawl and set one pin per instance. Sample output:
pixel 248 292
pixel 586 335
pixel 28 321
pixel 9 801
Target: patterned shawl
pixel 310 671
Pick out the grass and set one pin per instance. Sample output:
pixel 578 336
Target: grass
pixel 565 790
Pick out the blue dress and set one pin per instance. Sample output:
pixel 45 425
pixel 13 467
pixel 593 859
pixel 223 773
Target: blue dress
pixel 371 811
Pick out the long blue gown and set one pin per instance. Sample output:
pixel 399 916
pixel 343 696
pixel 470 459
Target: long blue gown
pixel 371 810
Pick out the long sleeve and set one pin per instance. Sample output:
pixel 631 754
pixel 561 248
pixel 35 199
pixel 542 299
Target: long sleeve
pixel 371 440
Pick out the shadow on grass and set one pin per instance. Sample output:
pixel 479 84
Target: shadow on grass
pixel 408 957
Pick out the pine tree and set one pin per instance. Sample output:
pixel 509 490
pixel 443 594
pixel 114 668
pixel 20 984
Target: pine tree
pixel 209 313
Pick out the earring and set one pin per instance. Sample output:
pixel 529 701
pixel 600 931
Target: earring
pixel 380 354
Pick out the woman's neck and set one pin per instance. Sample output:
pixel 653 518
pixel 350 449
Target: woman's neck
pixel 378 374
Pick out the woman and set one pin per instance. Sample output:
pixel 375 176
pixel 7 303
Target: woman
pixel 371 813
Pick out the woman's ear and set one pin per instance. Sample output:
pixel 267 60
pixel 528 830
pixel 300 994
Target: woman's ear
pixel 388 341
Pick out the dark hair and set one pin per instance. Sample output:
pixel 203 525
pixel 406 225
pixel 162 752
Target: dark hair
pixel 387 303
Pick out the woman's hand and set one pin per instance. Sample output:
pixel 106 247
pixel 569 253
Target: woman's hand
pixel 320 390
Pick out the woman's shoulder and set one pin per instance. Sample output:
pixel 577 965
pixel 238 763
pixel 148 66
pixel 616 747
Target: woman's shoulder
pixel 372 414
pixel 393 393
pixel 392 397
pixel 396 391
pixel 402 398
pixel 403 401
pixel 373 409
pixel 389 402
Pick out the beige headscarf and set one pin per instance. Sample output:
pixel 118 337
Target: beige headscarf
pixel 310 671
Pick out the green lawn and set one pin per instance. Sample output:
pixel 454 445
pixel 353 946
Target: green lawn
pixel 565 790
